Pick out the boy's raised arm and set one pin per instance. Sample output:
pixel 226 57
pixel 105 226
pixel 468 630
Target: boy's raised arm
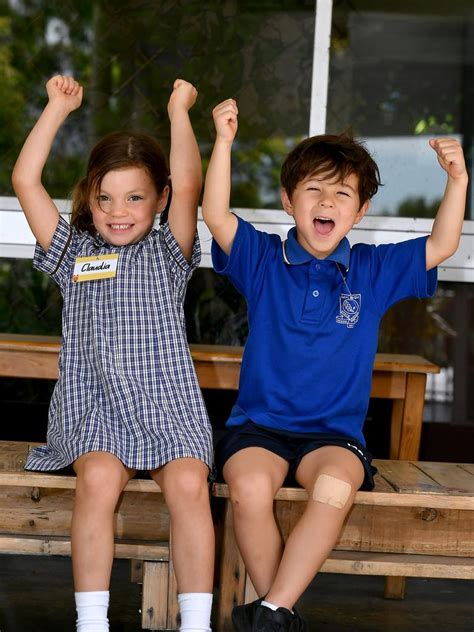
pixel 65 95
pixel 185 167
pixel 215 205
pixel 446 232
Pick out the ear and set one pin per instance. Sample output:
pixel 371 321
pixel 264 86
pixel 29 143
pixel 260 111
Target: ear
pixel 362 211
pixel 285 200
pixel 162 200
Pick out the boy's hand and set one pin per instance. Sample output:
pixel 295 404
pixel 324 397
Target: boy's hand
pixel 450 156
pixel 225 119
pixel 184 96
pixel 65 92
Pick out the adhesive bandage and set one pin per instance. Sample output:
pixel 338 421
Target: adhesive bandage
pixel 332 491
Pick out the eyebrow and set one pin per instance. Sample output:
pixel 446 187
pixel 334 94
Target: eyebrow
pixel 338 183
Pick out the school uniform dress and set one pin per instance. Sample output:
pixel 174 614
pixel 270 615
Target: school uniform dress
pixel 127 383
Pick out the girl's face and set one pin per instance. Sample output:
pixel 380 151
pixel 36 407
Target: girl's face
pixel 125 207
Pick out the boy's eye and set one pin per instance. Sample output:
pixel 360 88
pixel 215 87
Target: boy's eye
pixel 343 193
pixel 313 189
pixel 135 198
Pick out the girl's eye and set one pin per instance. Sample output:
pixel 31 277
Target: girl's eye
pixel 135 198
pixel 102 198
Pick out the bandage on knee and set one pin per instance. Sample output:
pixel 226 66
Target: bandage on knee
pixel 332 491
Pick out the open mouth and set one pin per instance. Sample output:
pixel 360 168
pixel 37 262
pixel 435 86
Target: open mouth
pixel 323 225
pixel 120 227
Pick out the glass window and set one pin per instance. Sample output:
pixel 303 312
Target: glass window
pixel 400 73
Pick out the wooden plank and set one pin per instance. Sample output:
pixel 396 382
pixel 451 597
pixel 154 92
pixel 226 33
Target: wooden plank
pixel 452 477
pixel 62 481
pixel 43 512
pixel 353 563
pixel 406 477
pixel 172 620
pixel 469 467
pixel 412 419
pixel 388 385
pixel 13 455
pixel 154 595
pixel 156 551
pixel 232 575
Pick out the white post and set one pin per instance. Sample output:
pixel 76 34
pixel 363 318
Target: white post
pixel 320 77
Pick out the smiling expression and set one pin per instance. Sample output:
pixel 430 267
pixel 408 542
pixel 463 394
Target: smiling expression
pixel 324 210
pixel 125 207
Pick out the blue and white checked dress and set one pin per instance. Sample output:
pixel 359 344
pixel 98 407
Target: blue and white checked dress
pixel 127 383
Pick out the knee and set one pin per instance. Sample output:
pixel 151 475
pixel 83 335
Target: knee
pixel 251 494
pixel 333 488
pixel 187 486
pixel 97 479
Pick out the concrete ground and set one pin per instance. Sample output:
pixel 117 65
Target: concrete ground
pixel 36 596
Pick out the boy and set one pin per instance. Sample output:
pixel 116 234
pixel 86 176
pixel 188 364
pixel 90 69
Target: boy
pixel 314 307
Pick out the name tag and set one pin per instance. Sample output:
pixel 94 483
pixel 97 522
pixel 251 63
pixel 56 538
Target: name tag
pixel 92 268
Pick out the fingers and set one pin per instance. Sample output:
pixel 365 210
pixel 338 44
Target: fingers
pixel 227 109
pixel 183 93
pixel 450 155
pixel 65 84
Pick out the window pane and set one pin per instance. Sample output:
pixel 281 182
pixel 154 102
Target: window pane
pixel 400 73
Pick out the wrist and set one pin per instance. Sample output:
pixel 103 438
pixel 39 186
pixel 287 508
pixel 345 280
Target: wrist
pixel 57 110
pixel 459 180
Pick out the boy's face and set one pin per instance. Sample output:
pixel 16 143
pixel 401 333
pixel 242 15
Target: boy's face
pixel 324 209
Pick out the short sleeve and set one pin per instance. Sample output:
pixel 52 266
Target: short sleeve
pixel 245 264
pixel 181 269
pixel 57 262
pixel 399 272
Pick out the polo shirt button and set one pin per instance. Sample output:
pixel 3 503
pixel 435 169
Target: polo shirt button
pixel 315 293
pixel 317 266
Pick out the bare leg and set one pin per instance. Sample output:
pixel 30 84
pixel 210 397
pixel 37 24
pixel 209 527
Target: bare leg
pixel 315 534
pixel 101 477
pixel 186 491
pixel 254 475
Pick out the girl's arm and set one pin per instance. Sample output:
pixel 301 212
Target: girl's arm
pixel 215 204
pixel 185 167
pixel 65 95
pixel 446 232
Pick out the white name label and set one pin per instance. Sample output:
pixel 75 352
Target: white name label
pixel 92 268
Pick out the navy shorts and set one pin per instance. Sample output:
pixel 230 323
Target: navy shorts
pixel 291 446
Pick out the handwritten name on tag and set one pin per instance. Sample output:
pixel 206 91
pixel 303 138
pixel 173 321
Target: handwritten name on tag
pixel 93 268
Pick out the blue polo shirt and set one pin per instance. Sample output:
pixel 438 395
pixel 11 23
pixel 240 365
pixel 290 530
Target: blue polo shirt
pixel 313 326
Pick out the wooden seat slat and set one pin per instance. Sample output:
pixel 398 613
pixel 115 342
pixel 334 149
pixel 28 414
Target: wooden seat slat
pixel 399 564
pixel 405 476
pixel 452 477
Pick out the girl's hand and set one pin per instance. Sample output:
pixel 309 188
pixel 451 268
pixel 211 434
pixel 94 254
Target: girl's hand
pixel 450 157
pixel 184 96
pixel 65 92
pixel 225 120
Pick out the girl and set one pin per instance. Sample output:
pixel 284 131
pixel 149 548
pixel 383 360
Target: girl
pixel 127 397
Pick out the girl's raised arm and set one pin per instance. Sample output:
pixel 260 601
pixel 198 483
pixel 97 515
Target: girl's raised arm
pixel 185 167
pixel 65 95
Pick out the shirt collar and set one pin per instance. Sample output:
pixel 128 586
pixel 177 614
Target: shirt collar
pixel 295 254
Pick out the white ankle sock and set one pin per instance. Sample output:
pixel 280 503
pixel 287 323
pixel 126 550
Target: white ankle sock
pixel 92 611
pixel 195 611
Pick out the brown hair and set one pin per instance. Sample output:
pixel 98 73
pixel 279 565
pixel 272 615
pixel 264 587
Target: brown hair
pixel 116 151
pixel 337 156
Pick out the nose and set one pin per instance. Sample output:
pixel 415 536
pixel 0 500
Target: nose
pixel 117 210
pixel 326 202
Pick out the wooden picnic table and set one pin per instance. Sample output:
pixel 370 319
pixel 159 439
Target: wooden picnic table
pixel 398 377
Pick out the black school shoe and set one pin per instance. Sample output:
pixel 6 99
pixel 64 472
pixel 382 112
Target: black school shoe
pixel 281 620
pixel 244 616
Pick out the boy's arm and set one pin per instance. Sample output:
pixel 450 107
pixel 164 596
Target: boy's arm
pixel 185 167
pixel 65 95
pixel 446 232
pixel 215 204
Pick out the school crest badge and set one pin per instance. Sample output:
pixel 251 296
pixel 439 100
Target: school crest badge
pixel 349 309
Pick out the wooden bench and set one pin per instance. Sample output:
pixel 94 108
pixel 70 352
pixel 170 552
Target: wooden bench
pixel 418 522
pixel 398 377
pixel 35 519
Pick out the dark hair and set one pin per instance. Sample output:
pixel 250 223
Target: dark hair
pixel 117 151
pixel 335 156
